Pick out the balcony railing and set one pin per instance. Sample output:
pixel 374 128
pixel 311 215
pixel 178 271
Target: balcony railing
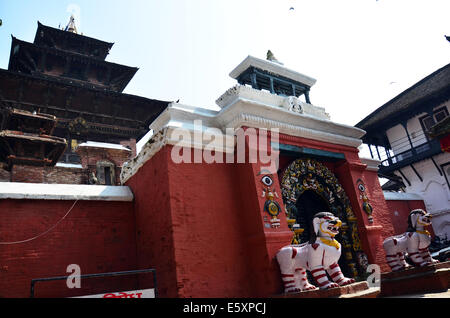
pixel 410 156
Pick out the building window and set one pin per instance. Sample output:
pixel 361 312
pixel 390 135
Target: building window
pixel 105 172
pixel 429 121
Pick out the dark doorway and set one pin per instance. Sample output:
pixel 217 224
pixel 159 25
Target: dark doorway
pixel 107 175
pixel 308 204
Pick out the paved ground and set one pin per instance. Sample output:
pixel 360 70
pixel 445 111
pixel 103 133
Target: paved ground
pixel 445 294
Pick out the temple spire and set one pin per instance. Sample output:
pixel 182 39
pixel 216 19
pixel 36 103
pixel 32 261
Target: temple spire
pixel 71 27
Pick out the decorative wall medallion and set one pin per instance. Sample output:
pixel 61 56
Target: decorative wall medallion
pixel 367 207
pixel 271 206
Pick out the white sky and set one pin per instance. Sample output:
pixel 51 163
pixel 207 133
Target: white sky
pixel 361 52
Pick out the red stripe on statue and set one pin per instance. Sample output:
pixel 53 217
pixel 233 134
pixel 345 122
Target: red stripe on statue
pixel 336 274
pixel 294 252
pixel 289 282
pixel 334 265
pixel 287 275
pixel 317 270
pixel 320 276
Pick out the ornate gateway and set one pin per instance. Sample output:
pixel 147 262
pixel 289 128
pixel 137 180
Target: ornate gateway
pixel 310 179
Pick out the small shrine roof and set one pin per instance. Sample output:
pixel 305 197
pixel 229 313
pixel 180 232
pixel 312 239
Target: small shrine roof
pixel 273 68
pixel 95 144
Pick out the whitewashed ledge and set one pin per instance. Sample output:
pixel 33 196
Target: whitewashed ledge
pixel 41 191
pixel 401 196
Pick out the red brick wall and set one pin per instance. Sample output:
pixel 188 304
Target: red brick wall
pixel 97 235
pixel 31 174
pixel 193 226
pixel 90 155
pixel 64 175
pixel 154 233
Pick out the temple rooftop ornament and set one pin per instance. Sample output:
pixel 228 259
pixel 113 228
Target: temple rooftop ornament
pixel 272 76
pixel 71 27
pixel 272 58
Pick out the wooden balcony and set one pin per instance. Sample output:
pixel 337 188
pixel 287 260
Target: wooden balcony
pixel 410 156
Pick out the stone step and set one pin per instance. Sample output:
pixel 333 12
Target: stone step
pixel 355 290
pixel 431 278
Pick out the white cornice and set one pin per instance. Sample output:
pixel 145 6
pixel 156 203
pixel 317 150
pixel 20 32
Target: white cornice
pixel 40 191
pixel 243 106
pixel 372 164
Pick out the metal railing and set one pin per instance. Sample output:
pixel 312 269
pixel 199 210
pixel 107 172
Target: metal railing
pixel 412 155
pixel 109 274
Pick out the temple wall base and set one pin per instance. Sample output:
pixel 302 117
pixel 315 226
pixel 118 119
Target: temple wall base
pixel 432 278
pixel 355 290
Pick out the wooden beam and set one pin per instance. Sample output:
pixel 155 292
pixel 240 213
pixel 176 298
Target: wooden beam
pixel 415 171
pixel 404 177
pixel 435 164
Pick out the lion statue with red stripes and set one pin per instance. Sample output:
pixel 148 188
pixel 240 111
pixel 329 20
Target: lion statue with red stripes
pixel 319 256
pixel 414 243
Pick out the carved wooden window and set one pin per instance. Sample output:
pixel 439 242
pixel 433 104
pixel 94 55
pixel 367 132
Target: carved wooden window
pixel 429 121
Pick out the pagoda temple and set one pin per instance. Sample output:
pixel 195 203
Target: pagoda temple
pixel 65 74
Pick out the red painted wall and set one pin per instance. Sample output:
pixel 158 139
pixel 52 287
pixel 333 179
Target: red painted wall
pixel 193 225
pixel 154 233
pixel 399 220
pixel 202 225
pixel 99 236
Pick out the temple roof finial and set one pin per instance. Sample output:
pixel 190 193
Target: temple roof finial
pixel 272 58
pixel 71 27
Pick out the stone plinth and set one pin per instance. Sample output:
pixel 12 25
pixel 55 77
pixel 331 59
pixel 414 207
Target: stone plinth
pixel 432 278
pixel 355 290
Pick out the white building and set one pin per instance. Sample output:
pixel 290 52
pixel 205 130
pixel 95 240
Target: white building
pixel 398 133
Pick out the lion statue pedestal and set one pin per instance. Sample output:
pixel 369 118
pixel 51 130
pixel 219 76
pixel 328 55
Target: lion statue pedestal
pixel 320 256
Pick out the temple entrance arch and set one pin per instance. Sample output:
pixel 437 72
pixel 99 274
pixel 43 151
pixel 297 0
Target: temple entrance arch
pixel 308 187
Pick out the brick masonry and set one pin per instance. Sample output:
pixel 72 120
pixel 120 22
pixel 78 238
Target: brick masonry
pixel 90 156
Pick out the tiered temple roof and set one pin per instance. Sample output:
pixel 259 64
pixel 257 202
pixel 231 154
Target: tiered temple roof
pixel 65 74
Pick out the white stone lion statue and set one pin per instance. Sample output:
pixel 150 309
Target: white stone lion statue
pixel 319 256
pixel 414 243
